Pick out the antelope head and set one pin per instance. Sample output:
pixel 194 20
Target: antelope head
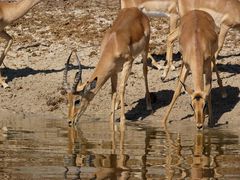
pixel 79 95
pixel 198 104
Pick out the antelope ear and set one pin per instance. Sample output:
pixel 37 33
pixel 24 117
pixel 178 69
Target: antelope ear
pixel 90 85
pixel 186 88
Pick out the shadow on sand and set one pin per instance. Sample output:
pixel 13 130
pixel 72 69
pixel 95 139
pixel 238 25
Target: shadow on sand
pixel 230 68
pixel 220 105
pixel 159 99
pixel 27 71
pixel 162 57
pixel 227 56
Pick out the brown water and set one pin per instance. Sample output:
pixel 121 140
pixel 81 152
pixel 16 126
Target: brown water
pixel 48 149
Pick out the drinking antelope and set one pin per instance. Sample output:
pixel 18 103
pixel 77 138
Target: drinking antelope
pixel 198 43
pixel 127 38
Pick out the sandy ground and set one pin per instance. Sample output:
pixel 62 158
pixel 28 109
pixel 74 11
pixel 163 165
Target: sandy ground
pixel 43 39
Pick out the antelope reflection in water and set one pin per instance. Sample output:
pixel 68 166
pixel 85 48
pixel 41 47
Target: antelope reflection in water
pixel 170 153
pixel 107 166
pixel 201 162
pixel 173 157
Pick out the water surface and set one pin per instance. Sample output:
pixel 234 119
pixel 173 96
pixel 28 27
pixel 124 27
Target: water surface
pixel 48 149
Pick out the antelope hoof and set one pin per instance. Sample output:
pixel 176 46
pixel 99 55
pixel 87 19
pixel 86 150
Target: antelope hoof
pixel 5 85
pixel 173 68
pixel 165 72
pixel 149 108
pixel 151 112
pixel 159 67
pixel 163 77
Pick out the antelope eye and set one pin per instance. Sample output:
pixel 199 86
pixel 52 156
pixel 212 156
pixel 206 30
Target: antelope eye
pixel 77 103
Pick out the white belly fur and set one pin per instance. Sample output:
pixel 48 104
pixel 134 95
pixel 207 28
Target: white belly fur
pixel 153 8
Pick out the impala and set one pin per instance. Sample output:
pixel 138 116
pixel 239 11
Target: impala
pixel 127 38
pixel 202 164
pixel 198 42
pixel 159 8
pixel 9 12
pixel 226 14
